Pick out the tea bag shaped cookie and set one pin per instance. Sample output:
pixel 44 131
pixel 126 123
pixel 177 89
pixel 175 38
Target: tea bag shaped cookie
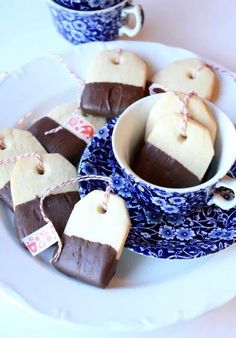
pixel 168 159
pixel 170 103
pixel 93 239
pixel 28 185
pixel 115 80
pixel 74 131
pixel 14 142
pixel 187 75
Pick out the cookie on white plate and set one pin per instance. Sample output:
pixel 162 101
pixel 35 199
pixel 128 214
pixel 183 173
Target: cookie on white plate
pixel 170 103
pixel 93 239
pixel 28 185
pixel 116 79
pixel 16 142
pixel 74 131
pixel 169 160
pixel 183 76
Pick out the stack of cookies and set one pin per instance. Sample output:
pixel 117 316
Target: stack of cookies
pixel 174 160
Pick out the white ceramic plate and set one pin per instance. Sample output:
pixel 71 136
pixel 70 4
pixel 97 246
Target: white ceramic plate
pixel 145 293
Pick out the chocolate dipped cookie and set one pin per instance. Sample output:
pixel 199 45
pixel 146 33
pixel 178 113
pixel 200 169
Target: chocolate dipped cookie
pixel 115 79
pixel 170 160
pixel 93 239
pixel 66 131
pixel 14 142
pixel 28 185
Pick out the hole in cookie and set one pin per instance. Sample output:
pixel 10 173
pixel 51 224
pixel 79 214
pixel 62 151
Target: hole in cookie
pixel 115 62
pixel 40 171
pixel 190 76
pixel 182 137
pixel 101 210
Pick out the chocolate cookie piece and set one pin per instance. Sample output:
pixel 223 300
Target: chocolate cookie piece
pixel 58 207
pixel 115 80
pixel 90 262
pixel 66 131
pixel 16 142
pixel 157 167
pixel 93 239
pixel 109 99
pixel 27 186
pixel 62 142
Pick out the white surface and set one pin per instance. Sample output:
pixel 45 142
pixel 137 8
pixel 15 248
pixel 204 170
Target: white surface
pixel 207 28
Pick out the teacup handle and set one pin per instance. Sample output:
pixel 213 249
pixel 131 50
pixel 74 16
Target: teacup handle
pixel 217 199
pixel 138 13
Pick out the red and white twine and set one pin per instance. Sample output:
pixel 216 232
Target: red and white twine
pixel 213 68
pixel 68 183
pixel 81 83
pixel 184 104
pixel 184 111
pixel 25 155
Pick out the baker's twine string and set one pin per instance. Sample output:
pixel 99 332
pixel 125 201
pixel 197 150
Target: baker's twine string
pixel 213 68
pixel 184 111
pixel 15 158
pixel 2 144
pixel 118 56
pixel 184 104
pixel 53 130
pixel 69 182
pixel 81 83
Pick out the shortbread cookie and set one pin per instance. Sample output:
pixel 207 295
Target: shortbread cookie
pixel 93 240
pixel 15 142
pixel 27 186
pixel 183 76
pixel 167 159
pixel 76 131
pixel 170 103
pixel 114 81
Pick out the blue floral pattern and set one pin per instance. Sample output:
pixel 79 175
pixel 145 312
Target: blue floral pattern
pixel 80 28
pixel 84 5
pixel 203 232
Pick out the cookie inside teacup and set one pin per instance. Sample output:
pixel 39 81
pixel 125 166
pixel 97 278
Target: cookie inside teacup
pixel 128 140
pixel 179 142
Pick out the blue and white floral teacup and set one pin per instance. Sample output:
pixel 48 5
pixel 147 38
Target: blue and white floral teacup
pixel 129 133
pixel 101 25
pixel 88 5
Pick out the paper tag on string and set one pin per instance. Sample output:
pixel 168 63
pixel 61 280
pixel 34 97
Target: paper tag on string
pixel 80 127
pixel 41 239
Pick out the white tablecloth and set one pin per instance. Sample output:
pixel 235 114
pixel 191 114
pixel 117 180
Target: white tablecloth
pixel 205 27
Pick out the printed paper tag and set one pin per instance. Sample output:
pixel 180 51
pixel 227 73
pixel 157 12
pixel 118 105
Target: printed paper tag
pixel 80 127
pixel 41 239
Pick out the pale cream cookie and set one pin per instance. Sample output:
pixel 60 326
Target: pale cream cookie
pixel 187 75
pixel 170 103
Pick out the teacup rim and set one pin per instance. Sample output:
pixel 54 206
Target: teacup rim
pixel 128 171
pixel 87 12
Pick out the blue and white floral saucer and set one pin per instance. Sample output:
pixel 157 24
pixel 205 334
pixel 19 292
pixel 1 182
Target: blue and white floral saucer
pixel 204 232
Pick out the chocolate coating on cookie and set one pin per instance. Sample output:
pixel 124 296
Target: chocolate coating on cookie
pixel 58 208
pixel 109 99
pixel 62 142
pixel 155 166
pixel 5 196
pixel 90 262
